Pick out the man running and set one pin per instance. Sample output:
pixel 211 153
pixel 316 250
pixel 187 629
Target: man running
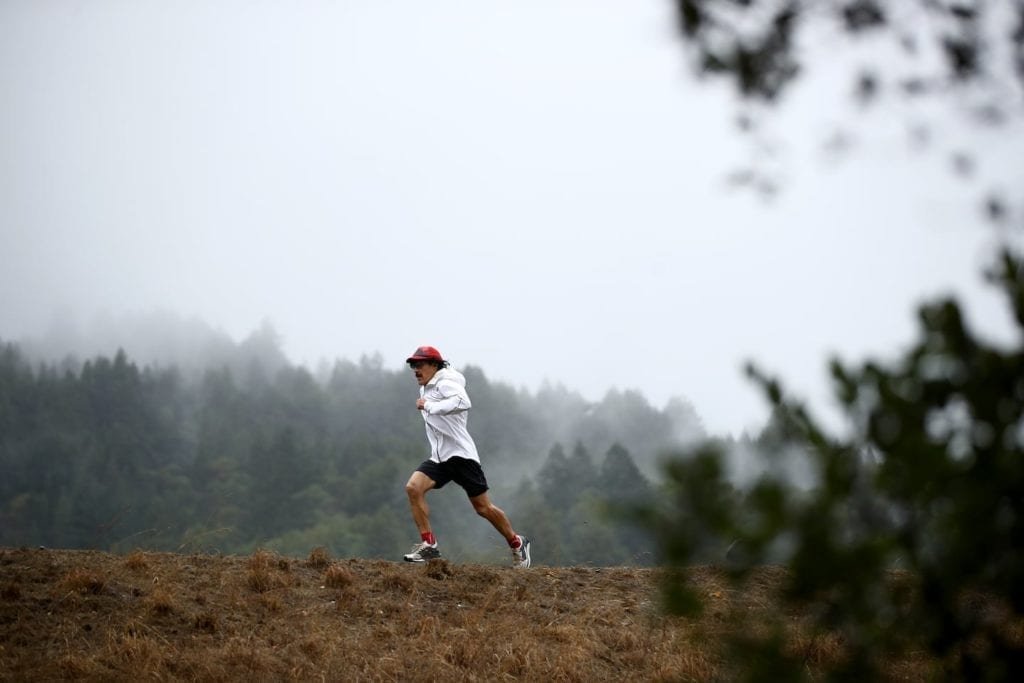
pixel 444 405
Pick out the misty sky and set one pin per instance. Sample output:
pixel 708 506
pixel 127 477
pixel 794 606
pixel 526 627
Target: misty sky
pixel 537 188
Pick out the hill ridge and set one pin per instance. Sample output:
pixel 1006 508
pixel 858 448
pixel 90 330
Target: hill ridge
pixel 88 614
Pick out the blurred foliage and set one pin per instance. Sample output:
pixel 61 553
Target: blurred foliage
pixel 105 454
pixel 755 43
pixel 911 534
pixel 966 54
pixel 905 531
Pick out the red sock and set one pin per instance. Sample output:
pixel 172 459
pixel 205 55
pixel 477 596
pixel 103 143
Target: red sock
pixel 515 542
pixel 428 537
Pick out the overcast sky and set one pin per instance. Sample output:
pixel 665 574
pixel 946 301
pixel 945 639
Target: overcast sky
pixel 536 188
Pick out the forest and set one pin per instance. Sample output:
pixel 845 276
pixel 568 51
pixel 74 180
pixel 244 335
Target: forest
pixel 255 452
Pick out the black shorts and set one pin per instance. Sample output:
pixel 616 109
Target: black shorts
pixel 465 472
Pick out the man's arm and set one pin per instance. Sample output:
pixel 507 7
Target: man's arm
pixel 455 400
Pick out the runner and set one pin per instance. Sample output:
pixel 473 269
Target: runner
pixel 444 405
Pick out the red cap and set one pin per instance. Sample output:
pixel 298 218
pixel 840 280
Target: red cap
pixel 425 353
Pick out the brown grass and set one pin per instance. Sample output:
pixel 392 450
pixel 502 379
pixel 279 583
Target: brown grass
pixel 161 602
pixel 266 571
pixel 162 616
pixel 339 576
pixel 137 561
pixel 83 581
pixel 318 558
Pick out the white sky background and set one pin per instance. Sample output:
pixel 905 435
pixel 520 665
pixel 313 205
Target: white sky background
pixel 536 188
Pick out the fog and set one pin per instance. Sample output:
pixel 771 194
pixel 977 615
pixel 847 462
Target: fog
pixel 539 190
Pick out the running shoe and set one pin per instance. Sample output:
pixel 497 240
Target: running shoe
pixel 421 552
pixel 521 555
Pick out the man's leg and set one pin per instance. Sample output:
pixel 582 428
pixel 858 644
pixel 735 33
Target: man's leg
pixel 520 545
pixel 493 514
pixel 416 488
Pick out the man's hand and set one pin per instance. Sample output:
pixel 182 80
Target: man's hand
pixel 420 402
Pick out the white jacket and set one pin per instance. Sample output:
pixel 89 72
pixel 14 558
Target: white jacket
pixel 446 413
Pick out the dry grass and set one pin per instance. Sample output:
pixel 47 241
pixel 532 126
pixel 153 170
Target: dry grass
pixel 339 576
pixel 318 558
pixel 161 602
pixel 265 571
pixel 137 561
pixel 83 581
pixel 161 616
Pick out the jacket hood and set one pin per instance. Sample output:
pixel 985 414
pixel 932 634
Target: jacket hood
pixel 450 374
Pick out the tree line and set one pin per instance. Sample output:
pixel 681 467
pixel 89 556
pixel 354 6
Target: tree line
pixel 107 454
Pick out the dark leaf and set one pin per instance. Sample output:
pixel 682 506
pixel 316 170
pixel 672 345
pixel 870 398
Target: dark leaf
pixel 962 56
pixel 863 14
pixel 963 12
pixel 690 17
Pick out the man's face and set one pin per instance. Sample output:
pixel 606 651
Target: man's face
pixel 423 370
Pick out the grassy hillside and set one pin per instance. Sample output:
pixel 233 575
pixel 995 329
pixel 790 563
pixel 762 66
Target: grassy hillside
pixel 90 615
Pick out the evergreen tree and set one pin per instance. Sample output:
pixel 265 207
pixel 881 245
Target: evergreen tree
pixel 623 487
pixel 621 480
pixel 581 469
pixel 555 480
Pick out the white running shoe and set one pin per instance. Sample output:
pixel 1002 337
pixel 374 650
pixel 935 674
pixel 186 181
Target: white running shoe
pixel 421 552
pixel 521 555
